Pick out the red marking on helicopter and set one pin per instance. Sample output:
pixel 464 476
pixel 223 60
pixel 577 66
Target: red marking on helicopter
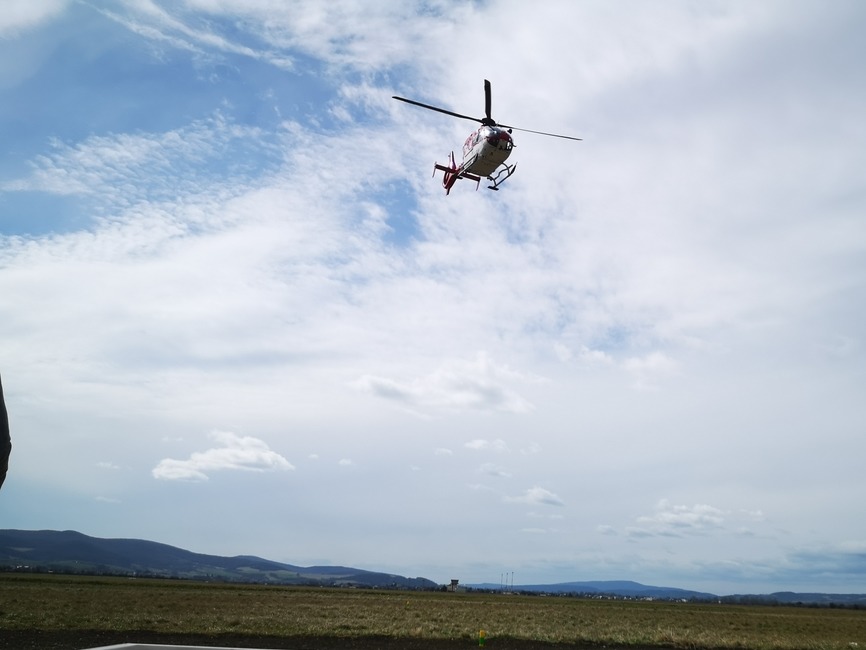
pixel 485 150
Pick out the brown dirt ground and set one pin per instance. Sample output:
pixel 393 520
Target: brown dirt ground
pixel 81 639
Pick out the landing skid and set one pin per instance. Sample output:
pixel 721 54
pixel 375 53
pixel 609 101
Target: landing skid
pixel 498 178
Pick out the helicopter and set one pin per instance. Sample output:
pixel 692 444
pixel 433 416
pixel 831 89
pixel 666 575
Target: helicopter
pixel 485 150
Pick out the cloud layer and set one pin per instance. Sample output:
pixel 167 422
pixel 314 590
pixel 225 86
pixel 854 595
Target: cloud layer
pixel 642 358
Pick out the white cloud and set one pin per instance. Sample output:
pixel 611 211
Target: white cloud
pixel 649 369
pixel 234 453
pixel 480 444
pixel 165 269
pixel 123 170
pixel 680 516
pixel 154 23
pixel 537 496
pixel 603 529
pixel 672 520
pixel 531 449
pixel 594 356
pixel 342 32
pixel 479 384
pixel 638 533
pixel 20 15
pixel 491 469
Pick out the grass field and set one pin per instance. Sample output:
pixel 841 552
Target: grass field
pixel 52 603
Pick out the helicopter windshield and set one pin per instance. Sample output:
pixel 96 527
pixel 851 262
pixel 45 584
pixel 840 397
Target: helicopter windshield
pixel 500 138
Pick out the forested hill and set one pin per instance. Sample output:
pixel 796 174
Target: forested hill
pixel 73 552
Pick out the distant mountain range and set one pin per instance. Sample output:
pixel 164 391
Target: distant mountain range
pixel 72 552
pixel 624 588
pixel 635 590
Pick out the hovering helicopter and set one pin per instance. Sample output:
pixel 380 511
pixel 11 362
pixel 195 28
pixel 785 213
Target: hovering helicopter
pixel 485 150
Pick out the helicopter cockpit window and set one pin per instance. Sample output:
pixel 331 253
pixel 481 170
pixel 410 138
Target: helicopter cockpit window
pixel 501 140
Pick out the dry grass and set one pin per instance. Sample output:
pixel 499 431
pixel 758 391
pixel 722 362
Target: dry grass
pixel 166 606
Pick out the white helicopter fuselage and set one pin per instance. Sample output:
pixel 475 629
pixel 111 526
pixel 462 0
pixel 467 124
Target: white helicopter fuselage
pixel 486 149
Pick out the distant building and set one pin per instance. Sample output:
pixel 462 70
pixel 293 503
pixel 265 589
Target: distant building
pixel 454 583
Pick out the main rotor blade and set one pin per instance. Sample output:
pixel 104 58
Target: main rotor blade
pixel 487 99
pixel 436 108
pixel 552 135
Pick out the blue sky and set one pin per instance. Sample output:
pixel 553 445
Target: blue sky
pixel 237 314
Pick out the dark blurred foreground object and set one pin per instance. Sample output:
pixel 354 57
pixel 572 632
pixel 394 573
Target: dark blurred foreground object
pixel 5 439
